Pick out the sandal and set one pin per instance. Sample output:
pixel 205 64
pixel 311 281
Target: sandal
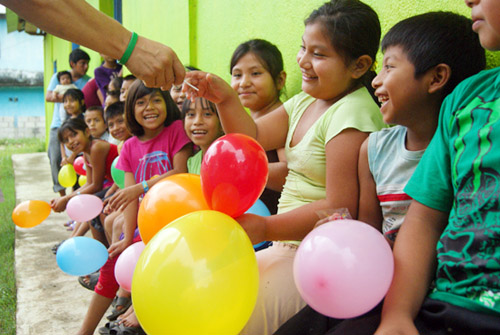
pixel 93 278
pixel 56 246
pixel 69 223
pixel 108 326
pixel 124 302
pixel 121 329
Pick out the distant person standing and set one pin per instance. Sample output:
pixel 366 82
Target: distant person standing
pixel 79 63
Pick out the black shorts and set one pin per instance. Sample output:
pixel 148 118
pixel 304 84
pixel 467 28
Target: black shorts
pixel 435 318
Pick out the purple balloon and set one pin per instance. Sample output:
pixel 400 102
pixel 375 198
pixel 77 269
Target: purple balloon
pixel 343 268
pixel 84 207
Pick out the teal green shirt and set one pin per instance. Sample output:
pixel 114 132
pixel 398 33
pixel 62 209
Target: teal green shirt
pixel 460 174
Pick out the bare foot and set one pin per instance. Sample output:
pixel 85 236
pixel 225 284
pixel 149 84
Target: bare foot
pixel 129 311
pixel 131 320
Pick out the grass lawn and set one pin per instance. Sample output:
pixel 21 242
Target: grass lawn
pixel 7 275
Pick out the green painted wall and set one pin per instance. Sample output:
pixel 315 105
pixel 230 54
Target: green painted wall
pixel 204 33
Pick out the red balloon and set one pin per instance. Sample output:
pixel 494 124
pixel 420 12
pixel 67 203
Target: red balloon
pixel 79 166
pixel 233 174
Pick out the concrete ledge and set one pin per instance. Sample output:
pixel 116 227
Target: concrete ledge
pixel 48 300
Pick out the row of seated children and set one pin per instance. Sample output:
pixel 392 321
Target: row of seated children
pixel 425 58
pixel 466 128
pixel 333 92
pixel 202 126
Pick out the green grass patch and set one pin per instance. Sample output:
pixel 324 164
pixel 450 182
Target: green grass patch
pixel 7 275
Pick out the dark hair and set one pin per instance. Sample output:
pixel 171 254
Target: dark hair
pixel 76 94
pixel 73 125
pixel 205 104
pixel 129 77
pixel 115 109
pixel 354 30
pixel 96 109
pixel 78 54
pixel 268 54
pixel 117 82
pixel 439 37
pixel 136 91
pixel 64 73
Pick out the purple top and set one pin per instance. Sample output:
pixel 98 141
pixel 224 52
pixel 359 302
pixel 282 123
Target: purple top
pixel 103 76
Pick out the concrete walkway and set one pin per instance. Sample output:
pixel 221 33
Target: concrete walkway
pixel 48 300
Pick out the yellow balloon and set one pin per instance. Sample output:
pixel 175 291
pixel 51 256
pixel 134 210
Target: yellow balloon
pixel 30 213
pixel 82 180
pixel 67 176
pixel 198 275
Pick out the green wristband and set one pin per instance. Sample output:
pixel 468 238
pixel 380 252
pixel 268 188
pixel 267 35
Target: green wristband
pixel 130 48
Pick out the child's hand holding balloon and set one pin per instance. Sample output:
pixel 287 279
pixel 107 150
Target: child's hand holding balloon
pixel 254 226
pixel 59 205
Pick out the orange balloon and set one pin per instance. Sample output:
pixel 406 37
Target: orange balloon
pixel 169 199
pixel 31 213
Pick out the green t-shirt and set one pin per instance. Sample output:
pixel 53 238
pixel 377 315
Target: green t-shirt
pixel 194 163
pixel 460 174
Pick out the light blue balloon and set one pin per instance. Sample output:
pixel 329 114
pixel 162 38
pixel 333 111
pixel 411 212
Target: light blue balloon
pixel 258 208
pixel 80 256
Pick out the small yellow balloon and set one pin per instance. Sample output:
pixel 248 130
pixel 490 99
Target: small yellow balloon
pixel 198 275
pixel 82 180
pixel 67 176
pixel 30 213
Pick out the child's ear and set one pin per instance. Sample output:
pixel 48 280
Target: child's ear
pixel 440 74
pixel 281 80
pixel 360 66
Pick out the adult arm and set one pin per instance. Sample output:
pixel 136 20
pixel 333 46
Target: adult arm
pixel 415 262
pixel 369 205
pixel 156 64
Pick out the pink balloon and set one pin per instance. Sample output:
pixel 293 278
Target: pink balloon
pixel 343 268
pixel 125 265
pixel 79 165
pixel 84 207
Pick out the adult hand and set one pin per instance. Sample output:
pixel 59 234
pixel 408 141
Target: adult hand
pixel 254 225
pixel 155 64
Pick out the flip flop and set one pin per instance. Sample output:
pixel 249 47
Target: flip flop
pixel 91 283
pixel 108 326
pixel 67 224
pixel 124 302
pixel 124 330
pixel 56 246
